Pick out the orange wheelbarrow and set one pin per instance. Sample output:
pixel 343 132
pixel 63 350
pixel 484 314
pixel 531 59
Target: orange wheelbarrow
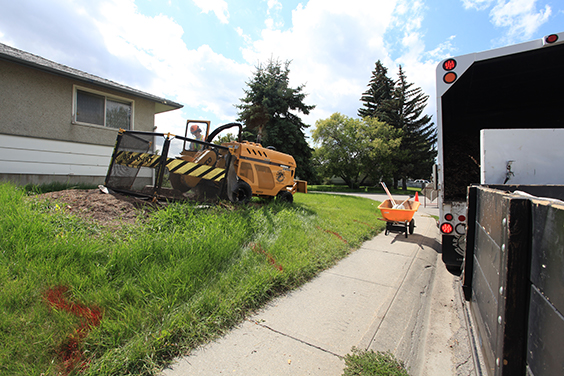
pixel 399 220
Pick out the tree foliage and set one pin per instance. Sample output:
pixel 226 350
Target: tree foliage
pixel 401 105
pixel 355 149
pixel 269 109
pixel 420 136
pixel 376 99
pixel 228 137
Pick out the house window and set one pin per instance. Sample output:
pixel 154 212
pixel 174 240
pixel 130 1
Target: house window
pixel 98 109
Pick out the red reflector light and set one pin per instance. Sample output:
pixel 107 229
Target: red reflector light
pixel 551 38
pixel 448 217
pixel 449 78
pixel 461 218
pixel 449 64
pixel 446 228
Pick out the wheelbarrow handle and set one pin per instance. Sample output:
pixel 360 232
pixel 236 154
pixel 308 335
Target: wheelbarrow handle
pixel 388 192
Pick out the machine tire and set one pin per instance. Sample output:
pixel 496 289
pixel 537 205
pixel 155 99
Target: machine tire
pixel 411 226
pixel 242 192
pixel 285 196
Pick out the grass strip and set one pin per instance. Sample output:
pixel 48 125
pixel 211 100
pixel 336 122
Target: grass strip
pixel 370 363
pixel 362 189
pixel 161 287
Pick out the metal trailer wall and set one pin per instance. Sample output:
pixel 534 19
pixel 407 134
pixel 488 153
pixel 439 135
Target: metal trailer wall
pixel 513 278
pixel 521 156
pixel 545 348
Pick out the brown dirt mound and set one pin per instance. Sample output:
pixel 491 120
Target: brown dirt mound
pixel 104 208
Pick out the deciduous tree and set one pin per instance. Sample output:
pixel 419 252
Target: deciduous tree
pixel 355 149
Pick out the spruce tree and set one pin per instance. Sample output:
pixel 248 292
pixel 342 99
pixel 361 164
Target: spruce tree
pixel 268 111
pixel 417 151
pixel 376 98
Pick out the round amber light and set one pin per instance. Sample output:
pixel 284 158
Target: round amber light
pixel 449 78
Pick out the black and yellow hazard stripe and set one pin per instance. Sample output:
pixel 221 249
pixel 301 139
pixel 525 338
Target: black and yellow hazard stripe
pixel 134 159
pixel 177 166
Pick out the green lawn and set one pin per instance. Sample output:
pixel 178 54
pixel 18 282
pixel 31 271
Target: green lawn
pixel 363 189
pixel 76 297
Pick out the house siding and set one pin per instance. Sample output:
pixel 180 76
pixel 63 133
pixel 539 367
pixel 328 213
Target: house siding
pixel 29 160
pixel 40 143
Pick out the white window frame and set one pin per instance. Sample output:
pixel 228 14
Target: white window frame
pixel 106 96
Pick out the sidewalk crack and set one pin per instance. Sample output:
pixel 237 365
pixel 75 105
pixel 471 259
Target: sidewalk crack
pixel 295 339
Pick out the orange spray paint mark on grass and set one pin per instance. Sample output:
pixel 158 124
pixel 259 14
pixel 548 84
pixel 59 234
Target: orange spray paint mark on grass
pixel 257 248
pixel 70 352
pixel 364 223
pixel 334 233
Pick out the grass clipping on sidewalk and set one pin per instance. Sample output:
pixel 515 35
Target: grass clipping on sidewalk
pixel 78 297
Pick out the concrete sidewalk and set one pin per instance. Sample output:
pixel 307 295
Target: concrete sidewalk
pixel 391 294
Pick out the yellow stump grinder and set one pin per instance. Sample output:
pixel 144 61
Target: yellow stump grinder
pixel 194 168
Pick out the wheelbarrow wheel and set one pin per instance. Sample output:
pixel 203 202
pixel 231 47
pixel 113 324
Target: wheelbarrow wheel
pixel 406 228
pixel 411 226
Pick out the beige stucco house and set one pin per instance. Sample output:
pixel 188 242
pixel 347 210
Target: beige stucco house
pixel 60 124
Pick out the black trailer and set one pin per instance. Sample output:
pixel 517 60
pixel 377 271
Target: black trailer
pixel 514 277
pixel 514 87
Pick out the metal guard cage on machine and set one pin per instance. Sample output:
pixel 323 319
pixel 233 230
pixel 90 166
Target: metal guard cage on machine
pixel 144 163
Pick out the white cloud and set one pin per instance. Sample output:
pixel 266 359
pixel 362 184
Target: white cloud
pixel 246 38
pixel 273 19
pixel 333 46
pixel 520 17
pixel 219 7
pixel 443 50
pixel 198 78
pixel 477 4
pixel 273 4
pixel 65 31
pixel 417 63
pixel 126 32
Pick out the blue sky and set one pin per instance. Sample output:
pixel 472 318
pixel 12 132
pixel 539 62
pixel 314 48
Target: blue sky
pixel 200 53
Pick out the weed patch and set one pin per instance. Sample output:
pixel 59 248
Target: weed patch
pixel 370 363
